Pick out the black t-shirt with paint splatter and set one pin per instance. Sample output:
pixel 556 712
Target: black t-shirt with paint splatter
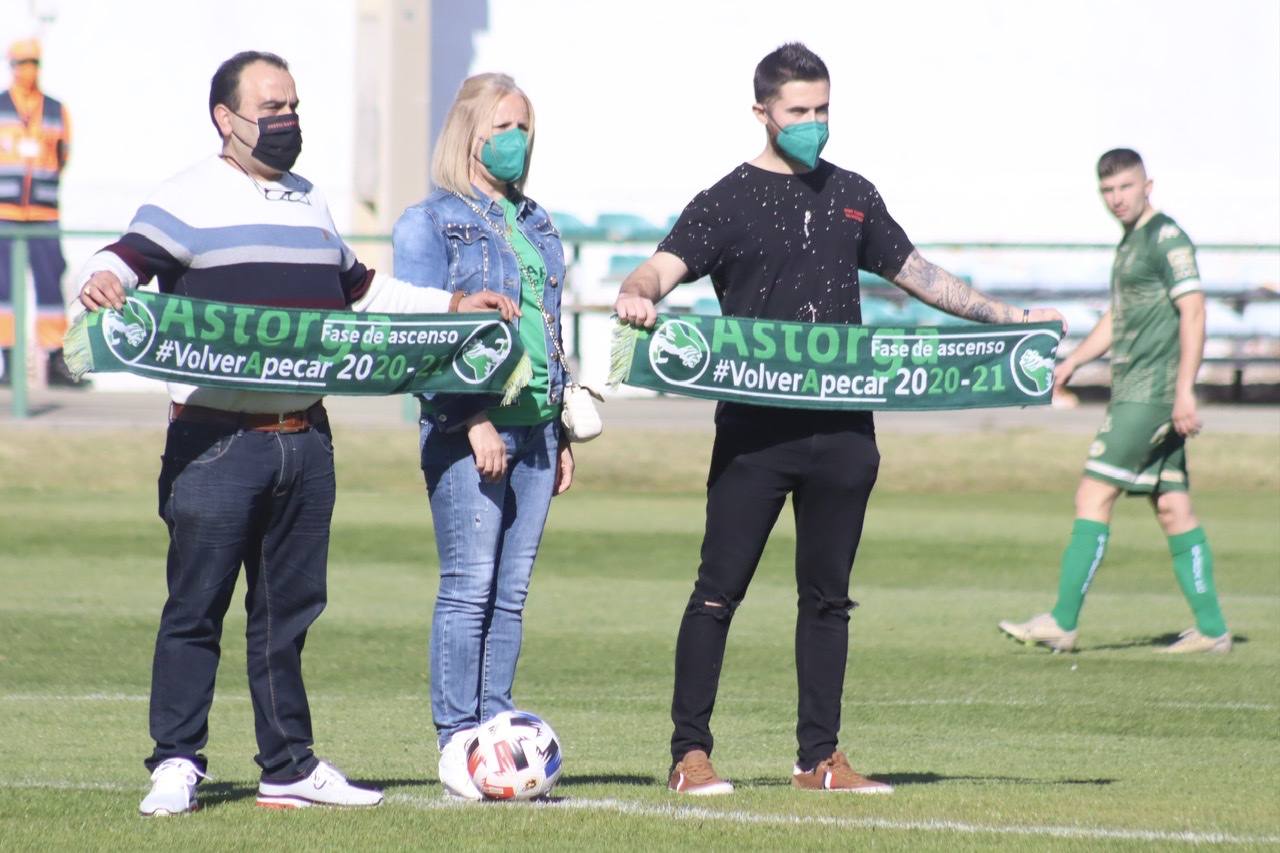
pixel 789 247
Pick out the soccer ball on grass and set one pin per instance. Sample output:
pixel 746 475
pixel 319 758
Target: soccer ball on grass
pixel 514 756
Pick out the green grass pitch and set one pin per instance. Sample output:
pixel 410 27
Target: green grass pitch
pixel 989 743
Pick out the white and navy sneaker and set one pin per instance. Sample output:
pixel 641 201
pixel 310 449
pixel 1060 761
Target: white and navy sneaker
pixel 454 775
pixel 173 789
pixel 324 787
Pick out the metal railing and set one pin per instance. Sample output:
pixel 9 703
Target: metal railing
pixel 17 366
pixel 575 238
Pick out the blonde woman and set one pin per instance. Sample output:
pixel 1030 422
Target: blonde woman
pixel 490 470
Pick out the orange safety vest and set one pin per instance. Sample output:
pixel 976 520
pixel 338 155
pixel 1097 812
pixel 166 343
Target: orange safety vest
pixel 33 150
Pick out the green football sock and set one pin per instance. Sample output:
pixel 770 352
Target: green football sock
pixel 1193 567
pixel 1079 563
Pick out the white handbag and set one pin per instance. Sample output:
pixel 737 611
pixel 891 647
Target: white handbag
pixel 579 417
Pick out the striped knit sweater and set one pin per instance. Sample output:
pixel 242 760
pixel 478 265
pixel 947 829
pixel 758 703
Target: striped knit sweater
pixel 212 232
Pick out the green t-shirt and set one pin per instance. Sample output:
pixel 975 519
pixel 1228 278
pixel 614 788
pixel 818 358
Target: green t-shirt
pixel 533 406
pixel 1155 265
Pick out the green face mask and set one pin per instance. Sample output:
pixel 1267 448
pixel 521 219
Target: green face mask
pixel 803 142
pixel 503 155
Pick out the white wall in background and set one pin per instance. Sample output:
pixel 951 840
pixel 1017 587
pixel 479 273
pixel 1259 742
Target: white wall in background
pixel 978 119
pixel 135 76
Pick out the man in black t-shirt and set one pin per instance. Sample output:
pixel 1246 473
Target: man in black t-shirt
pixel 783 238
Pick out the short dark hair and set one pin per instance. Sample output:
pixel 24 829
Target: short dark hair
pixel 224 88
pixel 792 61
pixel 1117 160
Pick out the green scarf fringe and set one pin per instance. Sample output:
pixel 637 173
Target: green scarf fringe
pixel 76 349
pixel 621 352
pixel 519 378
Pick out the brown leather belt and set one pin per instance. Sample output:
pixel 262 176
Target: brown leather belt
pixel 300 421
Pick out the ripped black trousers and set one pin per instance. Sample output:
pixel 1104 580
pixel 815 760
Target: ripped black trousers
pixel 827 461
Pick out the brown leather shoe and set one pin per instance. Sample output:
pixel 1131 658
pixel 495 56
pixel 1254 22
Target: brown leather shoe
pixel 694 775
pixel 835 774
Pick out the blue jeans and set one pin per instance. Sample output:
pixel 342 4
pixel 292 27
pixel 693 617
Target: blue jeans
pixel 264 500
pixel 487 536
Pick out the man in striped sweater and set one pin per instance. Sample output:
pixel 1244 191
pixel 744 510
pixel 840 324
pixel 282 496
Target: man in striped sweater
pixel 247 477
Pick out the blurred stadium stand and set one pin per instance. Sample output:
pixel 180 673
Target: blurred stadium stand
pixel 1241 281
pixel 1242 319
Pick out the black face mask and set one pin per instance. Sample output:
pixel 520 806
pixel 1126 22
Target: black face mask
pixel 279 141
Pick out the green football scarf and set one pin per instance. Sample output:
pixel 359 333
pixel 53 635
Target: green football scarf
pixel 253 348
pixel 821 366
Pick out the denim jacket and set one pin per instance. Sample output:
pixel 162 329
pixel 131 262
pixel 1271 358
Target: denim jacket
pixel 442 242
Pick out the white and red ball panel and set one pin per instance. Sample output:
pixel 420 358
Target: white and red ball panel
pixel 514 756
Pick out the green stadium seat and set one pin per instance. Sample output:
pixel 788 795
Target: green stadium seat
pixel 879 312
pixel 707 305
pixel 627 226
pixel 573 229
pixel 621 265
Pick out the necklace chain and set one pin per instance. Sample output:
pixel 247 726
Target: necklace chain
pixel 546 317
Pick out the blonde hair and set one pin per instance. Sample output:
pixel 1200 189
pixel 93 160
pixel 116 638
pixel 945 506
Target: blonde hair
pixel 470 116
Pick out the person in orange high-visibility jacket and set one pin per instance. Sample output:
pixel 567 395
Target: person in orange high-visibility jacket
pixel 35 138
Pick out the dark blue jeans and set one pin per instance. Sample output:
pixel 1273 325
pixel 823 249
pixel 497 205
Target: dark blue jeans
pixel 262 500
pixel 44 256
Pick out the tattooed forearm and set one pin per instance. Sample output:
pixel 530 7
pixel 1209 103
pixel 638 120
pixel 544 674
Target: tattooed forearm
pixel 937 287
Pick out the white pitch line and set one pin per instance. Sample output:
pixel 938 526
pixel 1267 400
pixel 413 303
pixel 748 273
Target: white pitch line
pixel 939 826
pixel 74 697
pixel 56 785
pixel 960 701
pixel 754 818
pixel 1045 703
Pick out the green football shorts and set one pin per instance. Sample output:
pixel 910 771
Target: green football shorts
pixel 1138 451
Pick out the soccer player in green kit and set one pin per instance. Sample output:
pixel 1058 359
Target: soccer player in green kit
pixel 1155 332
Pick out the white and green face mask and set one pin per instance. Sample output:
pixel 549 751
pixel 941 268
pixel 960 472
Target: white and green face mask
pixel 804 141
pixel 504 155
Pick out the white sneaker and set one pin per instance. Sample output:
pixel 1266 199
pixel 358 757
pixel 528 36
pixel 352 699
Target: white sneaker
pixel 1043 629
pixel 324 787
pixel 173 789
pixel 454 775
pixel 1191 641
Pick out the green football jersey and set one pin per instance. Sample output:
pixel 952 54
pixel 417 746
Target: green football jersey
pixel 1155 265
